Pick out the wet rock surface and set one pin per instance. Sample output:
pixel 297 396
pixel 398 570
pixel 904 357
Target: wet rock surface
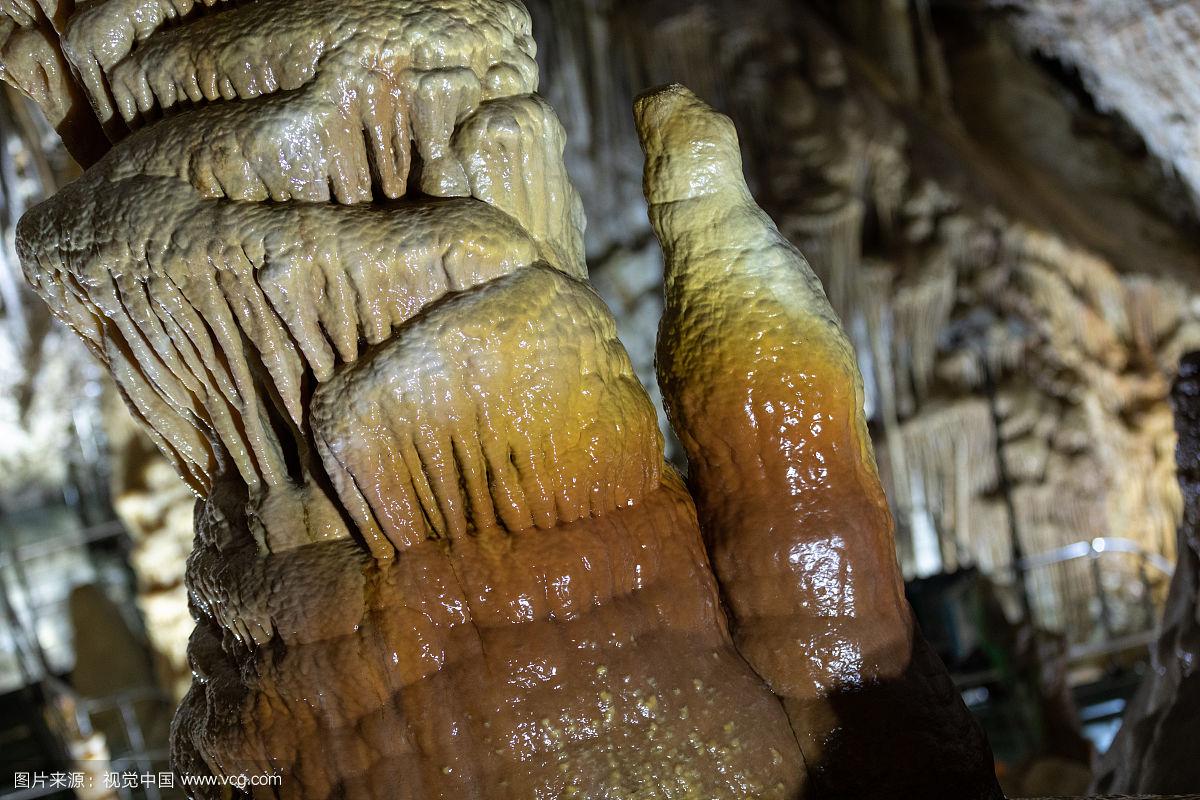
pixel 334 263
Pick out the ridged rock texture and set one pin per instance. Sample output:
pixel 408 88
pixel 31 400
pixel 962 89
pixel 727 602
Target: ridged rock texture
pixel 333 261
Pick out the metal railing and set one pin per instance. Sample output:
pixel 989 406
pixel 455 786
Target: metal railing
pixel 135 755
pixel 22 613
pixel 1123 623
pixel 122 716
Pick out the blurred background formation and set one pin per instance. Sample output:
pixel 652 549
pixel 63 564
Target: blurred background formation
pixel 1001 200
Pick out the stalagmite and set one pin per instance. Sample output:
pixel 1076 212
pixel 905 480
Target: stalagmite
pixel 438 551
pixel 763 391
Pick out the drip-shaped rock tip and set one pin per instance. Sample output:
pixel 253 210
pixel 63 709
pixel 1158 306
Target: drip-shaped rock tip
pixel 691 150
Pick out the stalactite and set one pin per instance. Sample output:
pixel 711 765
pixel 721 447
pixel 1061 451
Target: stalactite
pixel 587 60
pixel 952 447
pixel 1155 308
pixel 888 179
pixel 921 310
pixel 873 340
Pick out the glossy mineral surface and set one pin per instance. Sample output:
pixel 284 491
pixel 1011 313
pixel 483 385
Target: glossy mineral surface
pixel 763 390
pixel 334 263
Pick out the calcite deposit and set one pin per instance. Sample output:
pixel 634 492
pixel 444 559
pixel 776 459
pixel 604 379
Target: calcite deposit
pixel 32 60
pixel 994 196
pixel 764 393
pixel 335 266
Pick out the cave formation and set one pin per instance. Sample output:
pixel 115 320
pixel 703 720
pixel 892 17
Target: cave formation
pixel 331 255
pixel 438 549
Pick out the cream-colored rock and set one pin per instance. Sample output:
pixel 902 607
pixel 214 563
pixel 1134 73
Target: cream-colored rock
pixel 513 406
pixel 331 100
pixel 437 550
pixel 32 61
pixel 168 289
pixel 396 56
pixel 156 508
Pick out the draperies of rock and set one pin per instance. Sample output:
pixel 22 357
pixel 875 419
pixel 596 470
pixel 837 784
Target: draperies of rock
pixel 335 264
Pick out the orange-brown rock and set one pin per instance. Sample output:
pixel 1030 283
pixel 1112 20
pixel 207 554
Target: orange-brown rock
pixel 764 393
pixel 335 264
pixel 590 660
